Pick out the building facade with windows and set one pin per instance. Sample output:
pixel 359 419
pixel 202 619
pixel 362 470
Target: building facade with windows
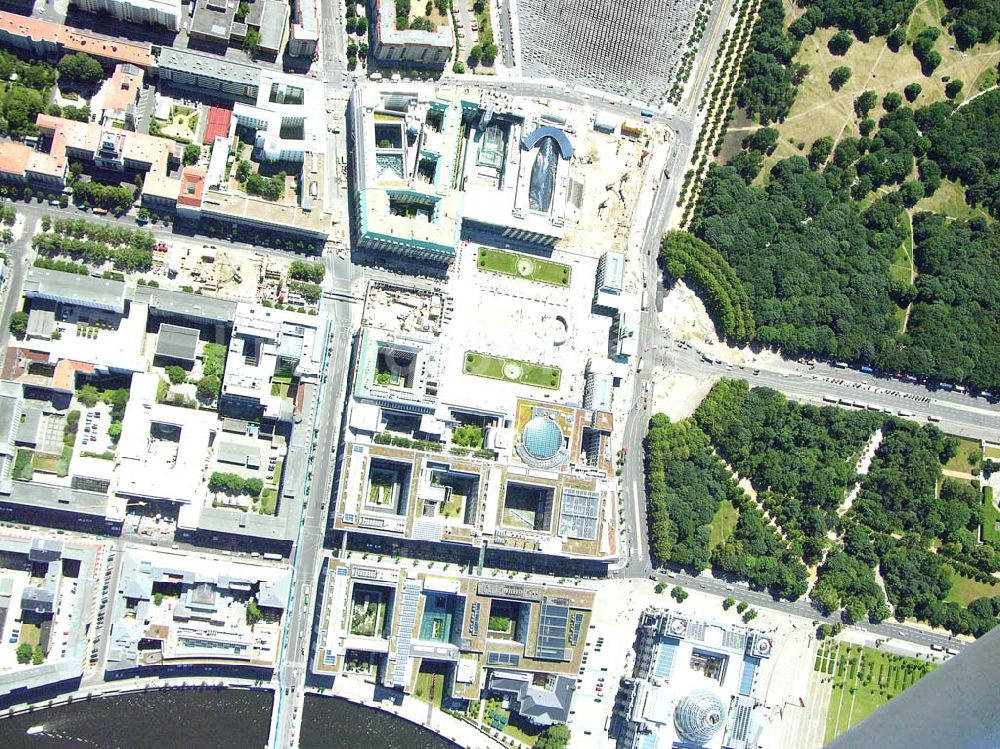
pixel 166 13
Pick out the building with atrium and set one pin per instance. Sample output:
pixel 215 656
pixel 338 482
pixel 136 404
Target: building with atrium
pixel 431 167
pixel 694 683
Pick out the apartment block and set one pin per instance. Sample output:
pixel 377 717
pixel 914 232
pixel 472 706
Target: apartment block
pixel 166 13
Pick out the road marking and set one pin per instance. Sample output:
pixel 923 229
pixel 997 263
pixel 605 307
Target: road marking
pixel 638 515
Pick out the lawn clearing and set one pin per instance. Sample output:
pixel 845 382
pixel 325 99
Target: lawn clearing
pixel 723 523
pixel 31 634
pixel 968 456
pixel 522 729
pixel 431 681
pixel 991 516
pixel 864 679
pixel 268 501
pixel 949 199
pixel 523 266
pixel 819 111
pixel 965 590
pixel 511 370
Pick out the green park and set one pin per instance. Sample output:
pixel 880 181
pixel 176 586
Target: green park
pixel 511 370
pixel 522 266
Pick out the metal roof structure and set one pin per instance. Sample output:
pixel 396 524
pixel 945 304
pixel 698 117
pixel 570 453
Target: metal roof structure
pixel 578 513
pixel 86 291
pixel 176 342
pixel 553 623
pixel 699 716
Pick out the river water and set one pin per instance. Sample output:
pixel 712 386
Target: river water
pixel 207 719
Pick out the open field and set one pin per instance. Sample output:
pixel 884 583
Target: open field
pixel 723 523
pixel 969 456
pixel 819 111
pixel 864 679
pixel 965 590
pixel 512 370
pixel 523 266
pixel 949 199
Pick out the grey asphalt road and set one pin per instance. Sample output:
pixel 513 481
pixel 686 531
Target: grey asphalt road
pixel 17 259
pixel 308 547
pixel 955 413
pixel 803 608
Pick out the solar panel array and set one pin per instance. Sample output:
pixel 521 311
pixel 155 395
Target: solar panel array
pixel 407 618
pixel 632 48
pixel 503 659
pixel 574 632
pixel 474 618
pixel 552 624
pixel 578 513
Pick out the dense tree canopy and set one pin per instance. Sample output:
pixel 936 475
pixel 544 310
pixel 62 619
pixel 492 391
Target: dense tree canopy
pixel 685 256
pixel 900 491
pixel 756 553
pixel 972 21
pixel 798 456
pixel 954 326
pixel 769 78
pixel 81 68
pixel 816 280
pixel 685 483
pixel 966 144
pixel 866 18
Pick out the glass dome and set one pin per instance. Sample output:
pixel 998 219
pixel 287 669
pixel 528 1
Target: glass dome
pixel 542 438
pixel 699 716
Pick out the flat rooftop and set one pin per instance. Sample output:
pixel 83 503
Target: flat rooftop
pixel 210 66
pixel 85 291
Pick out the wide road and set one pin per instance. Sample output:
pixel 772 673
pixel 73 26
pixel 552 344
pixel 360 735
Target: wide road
pixel 306 556
pixel 666 189
pixel 803 608
pixel 955 413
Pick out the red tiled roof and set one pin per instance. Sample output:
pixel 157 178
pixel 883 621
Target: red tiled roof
pixel 192 186
pixel 73 40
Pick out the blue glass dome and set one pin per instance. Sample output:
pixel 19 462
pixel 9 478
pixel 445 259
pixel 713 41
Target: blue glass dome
pixel 542 438
pixel 699 716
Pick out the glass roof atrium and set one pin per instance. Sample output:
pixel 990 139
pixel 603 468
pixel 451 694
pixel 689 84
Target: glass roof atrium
pixel 542 438
pixel 699 716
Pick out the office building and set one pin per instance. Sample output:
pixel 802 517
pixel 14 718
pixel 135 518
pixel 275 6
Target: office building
pixel 429 168
pixel 304 37
pixel 522 642
pixel 175 611
pixel 50 41
pixel 694 682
